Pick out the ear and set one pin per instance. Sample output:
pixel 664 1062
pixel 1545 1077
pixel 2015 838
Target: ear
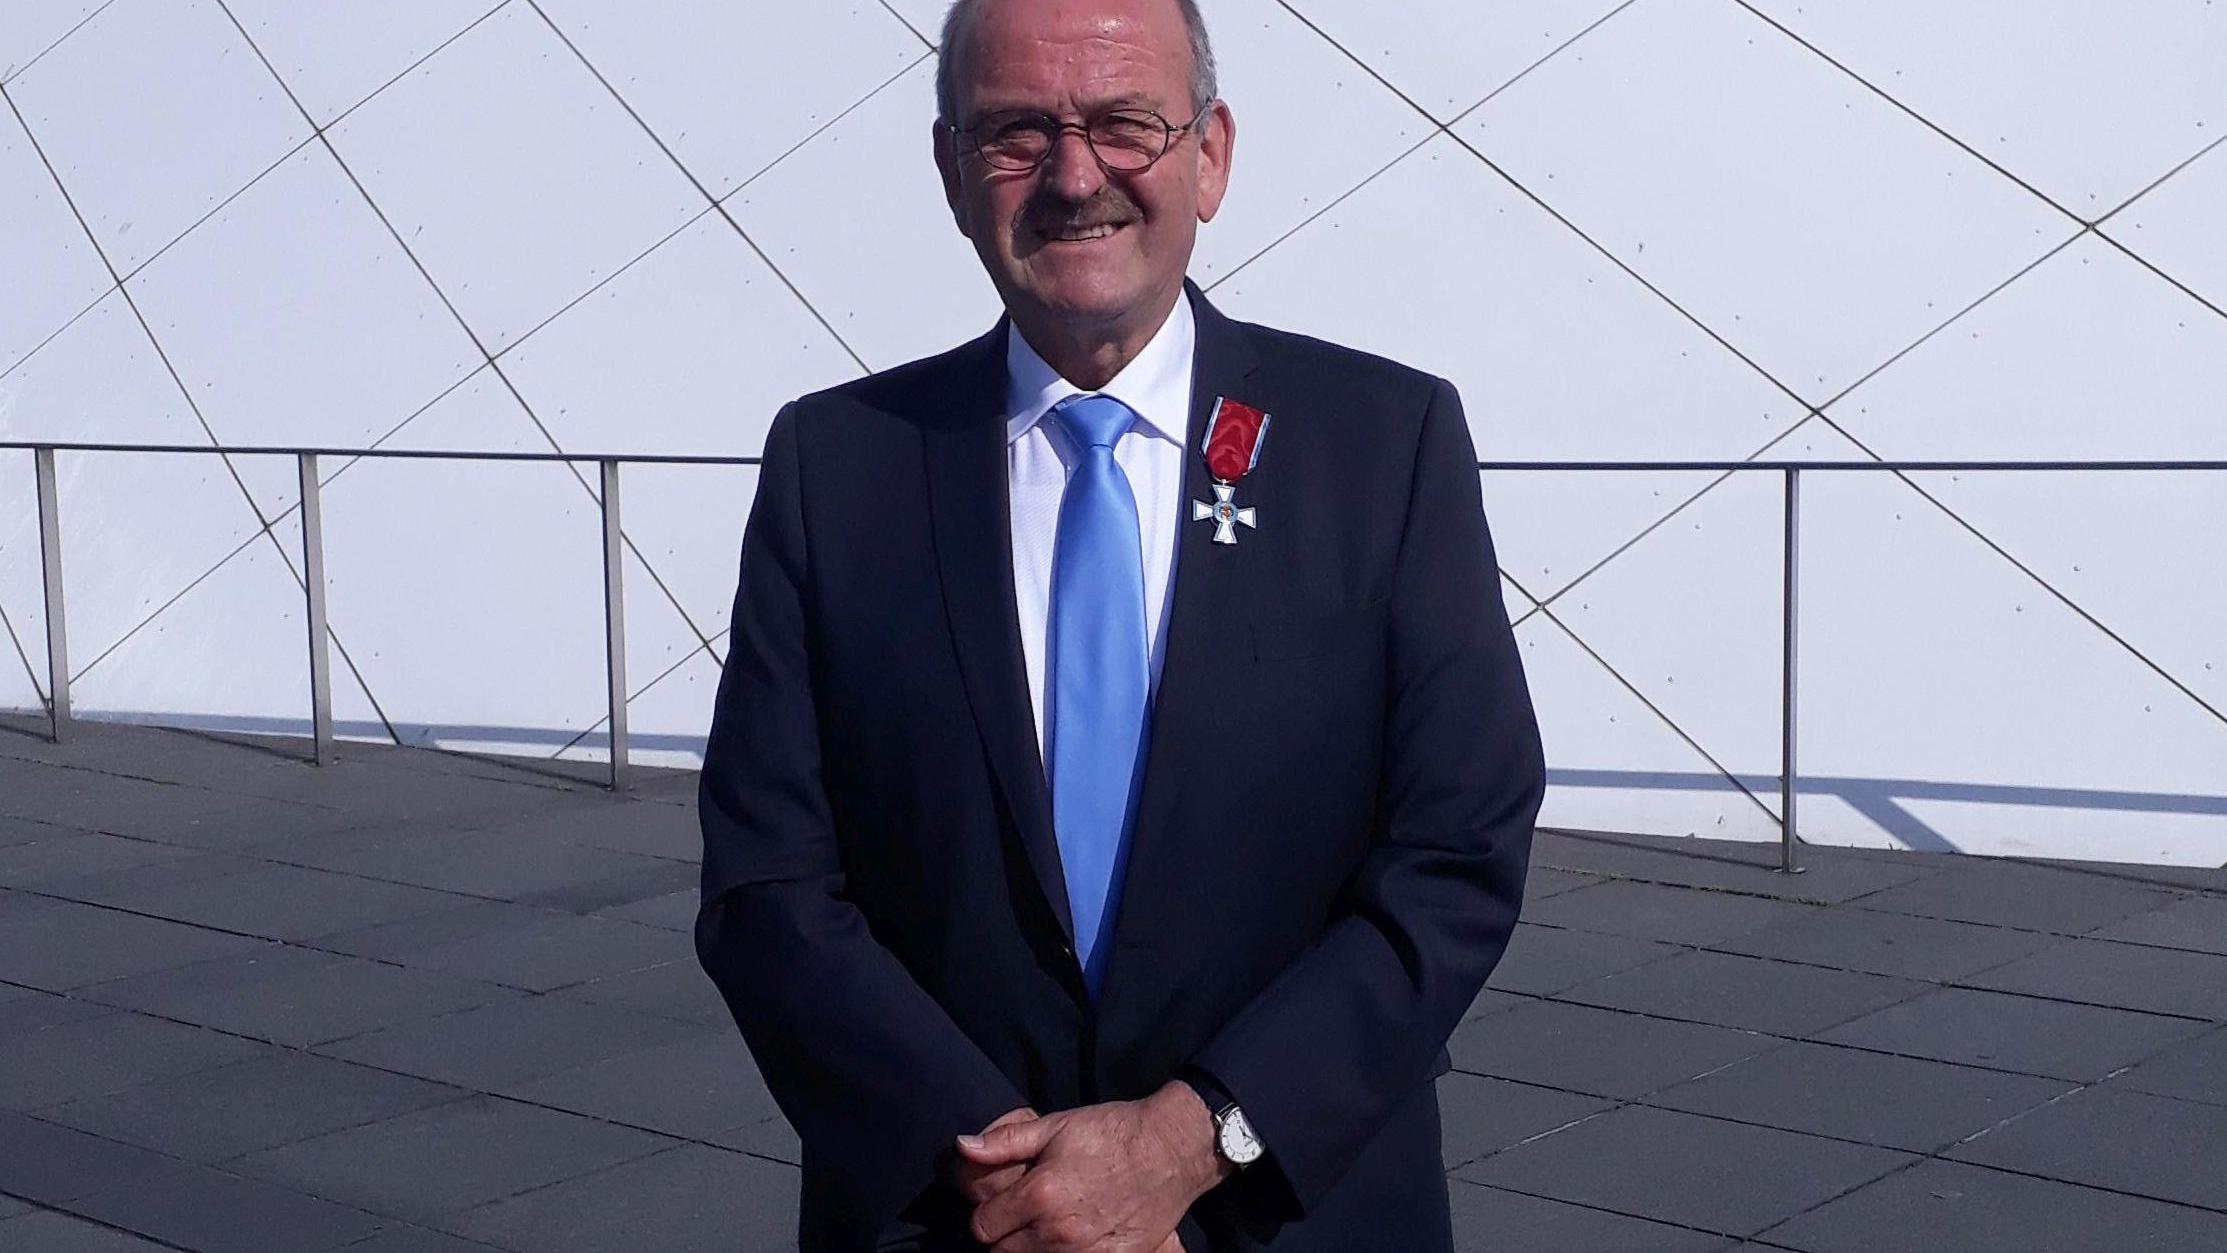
pixel 947 165
pixel 1216 144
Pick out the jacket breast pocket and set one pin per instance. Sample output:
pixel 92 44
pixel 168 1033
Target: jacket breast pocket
pixel 1314 635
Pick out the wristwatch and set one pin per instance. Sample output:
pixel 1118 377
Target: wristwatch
pixel 1234 1141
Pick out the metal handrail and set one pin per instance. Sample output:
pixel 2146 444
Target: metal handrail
pixel 614 607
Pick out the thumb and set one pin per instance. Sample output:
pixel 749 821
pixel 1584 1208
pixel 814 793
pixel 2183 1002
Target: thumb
pixel 1012 1142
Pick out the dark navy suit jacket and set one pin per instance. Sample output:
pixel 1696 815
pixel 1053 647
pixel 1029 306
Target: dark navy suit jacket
pixel 1330 841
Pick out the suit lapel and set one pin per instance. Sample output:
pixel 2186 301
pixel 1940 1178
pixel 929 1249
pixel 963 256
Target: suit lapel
pixel 968 493
pixel 968 496
pixel 1209 588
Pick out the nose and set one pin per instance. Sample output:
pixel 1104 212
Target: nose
pixel 1071 169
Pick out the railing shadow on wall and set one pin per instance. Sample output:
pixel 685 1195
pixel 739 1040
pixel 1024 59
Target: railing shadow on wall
pixel 1881 800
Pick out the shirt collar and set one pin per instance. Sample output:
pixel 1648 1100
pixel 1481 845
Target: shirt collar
pixel 1156 383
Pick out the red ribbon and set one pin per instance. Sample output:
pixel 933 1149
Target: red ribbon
pixel 1232 439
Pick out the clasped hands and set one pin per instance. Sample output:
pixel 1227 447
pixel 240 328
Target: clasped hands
pixel 1109 1178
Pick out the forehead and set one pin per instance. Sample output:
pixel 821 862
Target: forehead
pixel 1078 54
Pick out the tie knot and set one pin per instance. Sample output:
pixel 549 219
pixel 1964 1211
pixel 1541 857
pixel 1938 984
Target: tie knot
pixel 1094 421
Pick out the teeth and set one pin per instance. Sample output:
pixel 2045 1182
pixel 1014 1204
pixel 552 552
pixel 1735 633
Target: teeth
pixel 1096 232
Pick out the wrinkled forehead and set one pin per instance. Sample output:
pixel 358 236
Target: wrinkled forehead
pixel 1076 55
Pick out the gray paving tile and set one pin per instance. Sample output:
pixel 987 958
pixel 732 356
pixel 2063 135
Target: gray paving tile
pixel 2197 923
pixel 2128 976
pixel 1479 1115
pixel 59 945
pixel 1938 1205
pixel 2194 1071
pixel 552 951
pixel 1901 945
pixel 674 911
pixel 28 1009
pixel 23 830
pixel 1491 1220
pixel 693 1088
pixel 1492 1001
pixel 281 902
pixel 214 1211
pixel 677 989
pixel 1754 993
pixel 1685 1169
pixel 124 887
pixel 436 1161
pixel 623 825
pixel 54 1165
pixel 1894 1102
pixel 1653 911
pixel 212 1114
pixel 1541 882
pixel 2013 894
pixel 457 859
pixel 66 854
pixel 2158 1147
pixel 690 1199
pixel 91 1056
pixel 173 813
pixel 52 1231
pixel 396 1236
pixel 508 1042
pixel 1542 961
pixel 460 924
pixel 304 998
pixel 2007 1032
pixel 10 1207
pixel 657 878
pixel 1596 1051
pixel 1832 875
pixel 771 1138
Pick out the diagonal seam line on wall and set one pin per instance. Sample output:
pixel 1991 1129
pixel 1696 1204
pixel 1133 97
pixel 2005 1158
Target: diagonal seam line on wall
pixel 18 71
pixel 29 671
pixel 636 694
pixel 917 33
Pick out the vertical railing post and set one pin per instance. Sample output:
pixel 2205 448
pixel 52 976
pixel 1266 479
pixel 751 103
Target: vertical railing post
pixel 614 620
pixel 57 627
pixel 1790 598
pixel 313 582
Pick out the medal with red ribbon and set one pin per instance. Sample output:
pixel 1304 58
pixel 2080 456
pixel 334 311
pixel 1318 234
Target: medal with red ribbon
pixel 1233 439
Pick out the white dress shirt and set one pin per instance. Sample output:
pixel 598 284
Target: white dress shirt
pixel 1038 457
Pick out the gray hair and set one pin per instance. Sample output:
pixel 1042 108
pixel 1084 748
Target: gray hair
pixel 958 28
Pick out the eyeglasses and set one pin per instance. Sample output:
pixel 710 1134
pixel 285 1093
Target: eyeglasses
pixel 1124 140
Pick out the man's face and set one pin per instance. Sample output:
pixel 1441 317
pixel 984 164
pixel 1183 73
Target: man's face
pixel 1042 234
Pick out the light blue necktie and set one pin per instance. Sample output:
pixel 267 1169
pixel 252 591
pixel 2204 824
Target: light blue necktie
pixel 1099 672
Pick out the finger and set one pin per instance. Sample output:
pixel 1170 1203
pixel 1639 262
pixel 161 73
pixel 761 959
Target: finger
pixel 979 1184
pixel 1012 1142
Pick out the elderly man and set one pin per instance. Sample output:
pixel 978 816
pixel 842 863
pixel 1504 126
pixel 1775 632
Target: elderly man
pixel 1122 776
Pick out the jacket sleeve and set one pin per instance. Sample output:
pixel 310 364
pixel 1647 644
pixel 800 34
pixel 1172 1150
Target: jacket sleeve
pixel 1322 1054
pixel 872 1072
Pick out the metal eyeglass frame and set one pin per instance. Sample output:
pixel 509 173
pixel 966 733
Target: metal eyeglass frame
pixel 1170 131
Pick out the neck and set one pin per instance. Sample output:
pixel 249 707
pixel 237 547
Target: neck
pixel 1090 355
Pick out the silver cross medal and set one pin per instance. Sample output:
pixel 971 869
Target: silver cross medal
pixel 1225 511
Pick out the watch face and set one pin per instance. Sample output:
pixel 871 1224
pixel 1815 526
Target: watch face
pixel 1238 1143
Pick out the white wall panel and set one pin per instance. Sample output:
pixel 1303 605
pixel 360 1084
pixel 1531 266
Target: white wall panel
pixel 889 271
pixel 1310 127
pixel 2087 102
pixel 520 200
pixel 295 319
pixel 729 88
pixel 666 720
pixel 152 114
pixel 690 350
pixel 2176 227
pixel 333 57
pixel 1448 57
pixel 53 271
pixel 36 25
pixel 1559 354
pixel 1817 228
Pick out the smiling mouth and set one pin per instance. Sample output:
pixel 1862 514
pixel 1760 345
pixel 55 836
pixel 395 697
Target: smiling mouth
pixel 1071 235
